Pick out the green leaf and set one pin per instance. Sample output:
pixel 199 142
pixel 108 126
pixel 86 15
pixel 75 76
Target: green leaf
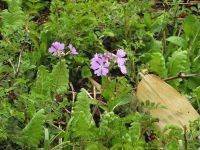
pixel 83 123
pixel 135 131
pixel 191 26
pixel 177 63
pixel 14 18
pixel 46 139
pixel 124 100
pixel 85 72
pixel 157 64
pixel 197 92
pixel 60 78
pixel 177 41
pixel 108 32
pixel 33 131
pixel 108 88
pixel 147 19
pixel 172 145
pixel 43 82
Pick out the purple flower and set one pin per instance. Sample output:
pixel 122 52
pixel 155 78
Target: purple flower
pixel 108 56
pixel 123 69
pixel 57 49
pixel 72 49
pixel 99 65
pixel 120 56
pixel 120 53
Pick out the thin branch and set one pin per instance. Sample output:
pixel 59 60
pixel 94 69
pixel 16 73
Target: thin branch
pixel 19 62
pixel 96 84
pixel 180 75
pixel 188 3
pixel 73 92
pixel 9 60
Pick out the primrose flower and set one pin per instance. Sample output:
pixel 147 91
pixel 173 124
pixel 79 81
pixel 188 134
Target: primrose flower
pixel 123 69
pixel 120 56
pixel 108 56
pixel 72 49
pixel 57 49
pixel 99 65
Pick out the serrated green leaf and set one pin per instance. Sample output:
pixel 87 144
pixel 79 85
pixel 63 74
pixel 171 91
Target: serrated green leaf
pixel 33 131
pixel 82 123
pixel 43 82
pixel 157 64
pixel 177 63
pixel 60 78
pixel 14 18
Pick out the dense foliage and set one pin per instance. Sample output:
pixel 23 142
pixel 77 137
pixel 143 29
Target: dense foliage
pixel 52 99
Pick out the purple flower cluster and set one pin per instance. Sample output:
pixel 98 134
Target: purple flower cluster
pixel 57 49
pixel 100 62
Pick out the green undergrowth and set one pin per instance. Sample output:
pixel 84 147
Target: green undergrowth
pixel 49 102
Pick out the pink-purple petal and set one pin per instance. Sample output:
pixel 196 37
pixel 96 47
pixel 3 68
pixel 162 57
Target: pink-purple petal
pixel 72 49
pixel 120 53
pixel 104 71
pixel 123 69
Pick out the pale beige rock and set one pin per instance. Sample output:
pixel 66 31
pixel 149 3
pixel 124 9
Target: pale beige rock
pixel 178 110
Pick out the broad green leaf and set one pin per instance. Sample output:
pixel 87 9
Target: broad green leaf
pixel 34 130
pixel 177 63
pixel 177 41
pixel 60 78
pixel 43 83
pixel 191 26
pixel 82 123
pixel 157 64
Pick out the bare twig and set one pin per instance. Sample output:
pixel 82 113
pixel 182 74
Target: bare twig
pixel 188 3
pixel 94 92
pixel 19 62
pixel 12 66
pixel 96 84
pixel 96 106
pixel 73 92
pixel 180 75
pixel 60 139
